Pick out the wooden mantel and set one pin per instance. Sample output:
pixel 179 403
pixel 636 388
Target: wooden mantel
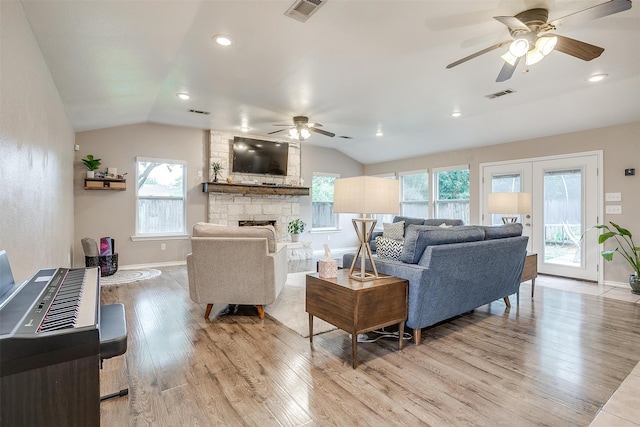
pixel 281 190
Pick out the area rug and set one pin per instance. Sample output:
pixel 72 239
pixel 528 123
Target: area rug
pixel 128 276
pixel 289 308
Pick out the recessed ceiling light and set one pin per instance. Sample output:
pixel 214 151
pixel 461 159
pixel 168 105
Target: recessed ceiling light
pixel 183 96
pixel 223 40
pixel 597 77
pixel 456 114
pixel 244 128
pixel 379 133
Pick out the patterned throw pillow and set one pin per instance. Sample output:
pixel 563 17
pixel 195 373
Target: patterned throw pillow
pixel 388 248
pixel 393 230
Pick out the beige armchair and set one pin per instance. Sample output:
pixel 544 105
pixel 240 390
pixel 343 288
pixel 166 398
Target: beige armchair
pixel 235 265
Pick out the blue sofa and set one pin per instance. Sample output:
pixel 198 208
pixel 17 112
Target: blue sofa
pixel 454 270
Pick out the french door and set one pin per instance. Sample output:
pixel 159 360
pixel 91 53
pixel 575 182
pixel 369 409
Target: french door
pixel 565 193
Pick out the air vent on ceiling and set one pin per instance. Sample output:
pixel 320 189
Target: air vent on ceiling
pixel 301 10
pixel 206 113
pixel 499 94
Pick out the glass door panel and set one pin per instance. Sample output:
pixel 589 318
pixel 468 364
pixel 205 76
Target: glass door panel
pixel 563 222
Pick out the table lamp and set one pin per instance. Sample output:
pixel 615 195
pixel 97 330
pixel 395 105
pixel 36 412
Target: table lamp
pixel 509 204
pixel 365 195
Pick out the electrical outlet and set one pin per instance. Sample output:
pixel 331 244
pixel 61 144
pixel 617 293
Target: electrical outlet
pixel 328 237
pixel 163 246
pixel 613 197
pixel 199 174
pixel 613 209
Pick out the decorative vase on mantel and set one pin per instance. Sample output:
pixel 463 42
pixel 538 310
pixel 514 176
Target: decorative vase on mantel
pixel 634 281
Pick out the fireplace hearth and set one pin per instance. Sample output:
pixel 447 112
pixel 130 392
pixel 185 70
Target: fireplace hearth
pixel 251 223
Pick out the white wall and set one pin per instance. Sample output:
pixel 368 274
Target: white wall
pixel 328 160
pixel 112 213
pixel 36 154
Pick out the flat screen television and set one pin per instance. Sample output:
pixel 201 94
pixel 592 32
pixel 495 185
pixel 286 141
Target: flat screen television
pixel 259 157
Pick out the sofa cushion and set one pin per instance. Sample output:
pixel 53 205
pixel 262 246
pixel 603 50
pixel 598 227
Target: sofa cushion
pixel 388 248
pixel 394 231
pixel 418 237
pixel 502 231
pixel 205 229
pixel 408 221
pixel 447 222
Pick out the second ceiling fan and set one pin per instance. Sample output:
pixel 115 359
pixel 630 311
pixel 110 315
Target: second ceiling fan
pixel 532 41
pixel 302 129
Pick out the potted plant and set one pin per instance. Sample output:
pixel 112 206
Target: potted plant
pixel 295 227
pixel 92 164
pixel 626 247
pixel 216 167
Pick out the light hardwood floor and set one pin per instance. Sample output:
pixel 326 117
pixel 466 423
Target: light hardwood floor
pixel 554 360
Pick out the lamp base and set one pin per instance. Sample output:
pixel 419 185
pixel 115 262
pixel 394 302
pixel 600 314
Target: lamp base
pixel 509 219
pixel 364 251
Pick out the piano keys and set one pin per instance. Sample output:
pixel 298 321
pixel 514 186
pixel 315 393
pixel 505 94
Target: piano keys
pixel 49 350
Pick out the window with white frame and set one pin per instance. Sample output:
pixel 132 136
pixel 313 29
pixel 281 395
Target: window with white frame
pixel 414 194
pixel 322 215
pixel 160 197
pixel 452 190
pixel 384 218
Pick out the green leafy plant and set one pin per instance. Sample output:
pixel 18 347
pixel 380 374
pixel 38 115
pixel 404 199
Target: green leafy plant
pixel 296 226
pixel 91 162
pixel 216 167
pixel 626 247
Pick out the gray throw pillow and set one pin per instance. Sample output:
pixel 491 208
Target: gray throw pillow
pixel 418 238
pixel 393 231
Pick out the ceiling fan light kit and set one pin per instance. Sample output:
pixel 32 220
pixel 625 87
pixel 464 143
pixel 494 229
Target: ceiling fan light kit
pixel 302 129
pixel 529 31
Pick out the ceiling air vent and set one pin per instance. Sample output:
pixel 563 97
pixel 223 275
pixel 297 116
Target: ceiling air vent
pixel 206 113
pixel 301 10
pixel 499 94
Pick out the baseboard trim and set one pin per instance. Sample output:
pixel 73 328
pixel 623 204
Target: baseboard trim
pixel 151 265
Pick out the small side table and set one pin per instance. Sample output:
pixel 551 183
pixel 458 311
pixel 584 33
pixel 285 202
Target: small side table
pixel 530 270
pixel 357 307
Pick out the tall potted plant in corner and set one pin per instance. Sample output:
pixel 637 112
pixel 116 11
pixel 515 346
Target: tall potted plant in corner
pixel 295 227
pixel 92 164
pixel 626 247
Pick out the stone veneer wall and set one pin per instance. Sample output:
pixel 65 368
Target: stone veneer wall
pixel 228 209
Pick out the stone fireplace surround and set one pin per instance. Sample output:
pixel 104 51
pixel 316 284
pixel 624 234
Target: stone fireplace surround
pixel 229 209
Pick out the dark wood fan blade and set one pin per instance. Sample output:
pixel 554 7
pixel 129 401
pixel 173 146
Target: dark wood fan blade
pixel 507 70
pixel 322 132
pixel 581 50
pixel 276 131
pixel 481 52
pixel 512 22
pixel 595 12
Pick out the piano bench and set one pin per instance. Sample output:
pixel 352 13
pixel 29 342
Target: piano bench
pixel 113 337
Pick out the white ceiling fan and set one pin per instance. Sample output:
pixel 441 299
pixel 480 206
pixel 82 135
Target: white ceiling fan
pixel 532 40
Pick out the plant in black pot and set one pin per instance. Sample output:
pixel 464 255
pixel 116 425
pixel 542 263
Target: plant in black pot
pixel 92 165
pixel 626 247
pixel 216 167
pixel 295 227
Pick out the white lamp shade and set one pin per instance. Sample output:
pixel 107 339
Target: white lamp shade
pixel 509 203
pixel 366 195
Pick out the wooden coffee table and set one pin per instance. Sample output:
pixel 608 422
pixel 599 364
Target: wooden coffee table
pixel 357 307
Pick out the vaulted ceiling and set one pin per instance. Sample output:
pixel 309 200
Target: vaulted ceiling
pixel 357 67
